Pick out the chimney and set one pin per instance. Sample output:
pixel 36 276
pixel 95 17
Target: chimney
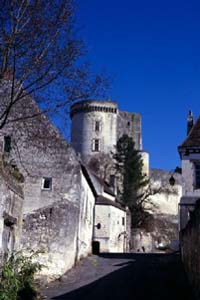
pixel 190 122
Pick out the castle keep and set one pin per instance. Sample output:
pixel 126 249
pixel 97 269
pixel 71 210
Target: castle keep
pixel 97 126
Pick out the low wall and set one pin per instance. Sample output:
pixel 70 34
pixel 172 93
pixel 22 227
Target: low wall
pixel 53 231
pixel 190 247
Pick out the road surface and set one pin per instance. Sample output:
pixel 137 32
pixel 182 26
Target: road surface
pixel 125 277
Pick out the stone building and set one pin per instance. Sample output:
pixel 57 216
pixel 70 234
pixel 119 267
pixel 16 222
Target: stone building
pixel 189 152
pixel 95 129
pixel 11 203
pixel 111 223
pixel 58 204
pixel 59 199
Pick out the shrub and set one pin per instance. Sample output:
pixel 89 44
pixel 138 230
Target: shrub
pixel 17 280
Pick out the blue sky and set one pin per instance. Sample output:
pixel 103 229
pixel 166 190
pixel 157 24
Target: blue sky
pixel 152 51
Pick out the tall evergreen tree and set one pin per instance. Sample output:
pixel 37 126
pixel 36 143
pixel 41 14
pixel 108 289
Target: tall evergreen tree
pixel 133 183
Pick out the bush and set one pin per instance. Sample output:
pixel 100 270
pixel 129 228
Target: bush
pixel 17 280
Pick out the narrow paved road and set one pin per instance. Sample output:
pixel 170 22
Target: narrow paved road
pixel 125 277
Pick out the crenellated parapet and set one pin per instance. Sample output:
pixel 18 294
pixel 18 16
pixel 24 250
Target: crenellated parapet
pixel 93 106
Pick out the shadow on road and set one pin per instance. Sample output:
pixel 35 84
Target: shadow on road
pixel 144 276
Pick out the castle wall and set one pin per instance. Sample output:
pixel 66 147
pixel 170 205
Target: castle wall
pixel 85 130
pixel 130 124
pixel 145 160
pixel 161 227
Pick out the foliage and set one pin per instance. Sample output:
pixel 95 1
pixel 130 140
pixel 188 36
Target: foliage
pixel 17 280
pixel 134 183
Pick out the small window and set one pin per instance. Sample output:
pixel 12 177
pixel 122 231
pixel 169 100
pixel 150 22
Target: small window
pixel 96 145
pixel 123 221
pixel 47 183
pixel 97 126
pixel 7 143
pixel 197 176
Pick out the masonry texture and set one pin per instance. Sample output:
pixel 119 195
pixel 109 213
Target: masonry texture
pixel 161 227
pixel 190 246
pixel 40 152
pixel 11 203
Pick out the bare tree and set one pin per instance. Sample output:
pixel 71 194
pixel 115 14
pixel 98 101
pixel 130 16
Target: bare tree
pixel 39 51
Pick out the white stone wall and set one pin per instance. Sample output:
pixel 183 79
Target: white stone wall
pixel 112 235
pixel 11 202
pixel 83 129
pixel 166 201
pixel 86 217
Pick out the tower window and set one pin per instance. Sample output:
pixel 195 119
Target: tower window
pixel 96 145
pixel 197 175
pixel 47 183
pixel 7 143
pixel 97 126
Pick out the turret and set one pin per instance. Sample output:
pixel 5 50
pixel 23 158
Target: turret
pixel 93 127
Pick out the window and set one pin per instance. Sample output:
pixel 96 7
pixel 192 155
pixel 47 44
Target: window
pixel 46 183
pixel 197 176
pixel 97 126
pixel 96 145
pixel 123 221
pixel 7 143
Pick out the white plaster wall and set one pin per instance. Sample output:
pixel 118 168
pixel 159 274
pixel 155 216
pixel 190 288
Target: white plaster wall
pixel 112 235
pixel 86 217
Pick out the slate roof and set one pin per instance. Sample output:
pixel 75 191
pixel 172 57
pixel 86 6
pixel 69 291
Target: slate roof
pixel 104 201
pixel 193 138
pixel 98 185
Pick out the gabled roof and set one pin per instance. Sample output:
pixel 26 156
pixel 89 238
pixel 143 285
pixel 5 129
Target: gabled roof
pixel 104 201
pixel 193 138
pixel 98 185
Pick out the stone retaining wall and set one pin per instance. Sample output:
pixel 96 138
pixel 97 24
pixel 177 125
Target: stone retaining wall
pixel 190 247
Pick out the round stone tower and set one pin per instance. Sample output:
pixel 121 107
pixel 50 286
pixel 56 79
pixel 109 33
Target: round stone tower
pixel 94 127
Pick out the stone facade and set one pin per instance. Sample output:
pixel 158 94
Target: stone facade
pixel 112 236
pixel 95 130
pixel 62 232
pixel 130 124
pixel 190 247
pixel 189 152
pixel 161 227
pixel 11 203
pixel 93 127
pixel 111 227
pixel 101 121
pixel 58 202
